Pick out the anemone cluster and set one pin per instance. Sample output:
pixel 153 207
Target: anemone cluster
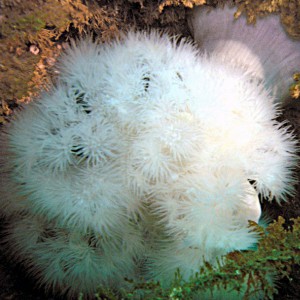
pixel 146 156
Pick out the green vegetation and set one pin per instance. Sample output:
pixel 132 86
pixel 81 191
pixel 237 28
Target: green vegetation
pixel 244 272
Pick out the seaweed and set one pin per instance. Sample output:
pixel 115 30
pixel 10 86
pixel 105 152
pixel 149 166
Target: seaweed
pixel 247 272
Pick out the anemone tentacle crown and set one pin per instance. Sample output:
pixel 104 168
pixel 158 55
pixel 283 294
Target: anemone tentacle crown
pixel 145 147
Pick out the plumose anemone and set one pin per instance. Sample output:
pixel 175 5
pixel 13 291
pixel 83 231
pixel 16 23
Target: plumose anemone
pixel 146 150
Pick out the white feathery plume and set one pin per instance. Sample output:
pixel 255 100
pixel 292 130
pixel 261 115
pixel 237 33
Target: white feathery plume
pixel 144 129
pixel 69 262
pixel 93 198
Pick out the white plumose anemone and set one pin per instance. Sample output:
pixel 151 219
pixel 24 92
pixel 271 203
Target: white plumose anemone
pixel 67 261
pixel 144 128
pixel 262 49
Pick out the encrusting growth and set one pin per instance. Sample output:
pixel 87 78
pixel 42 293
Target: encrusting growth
pixel 143 151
